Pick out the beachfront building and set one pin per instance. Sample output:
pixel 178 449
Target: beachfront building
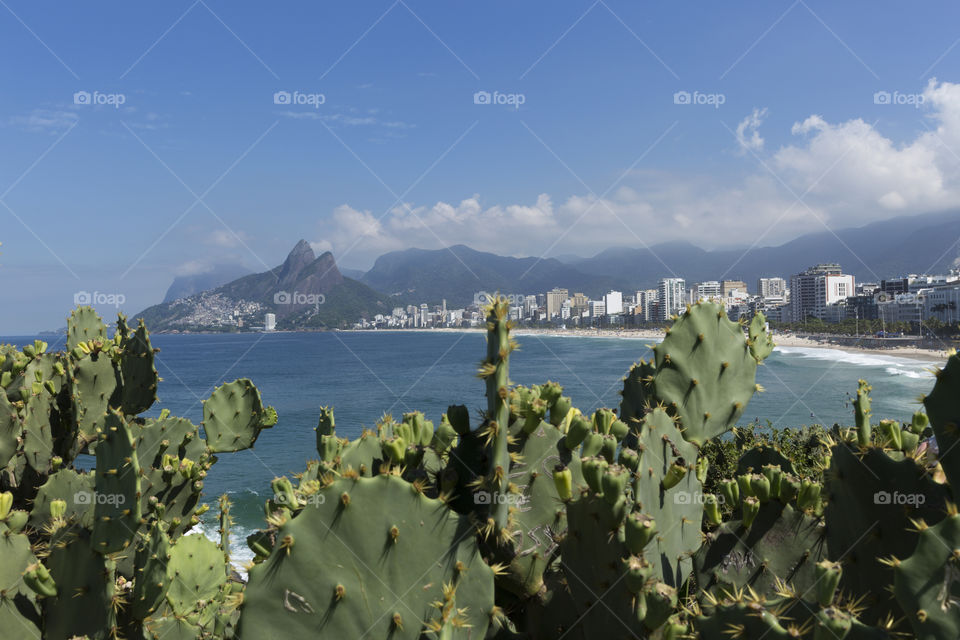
pixel 555 299
pixel 709 290
pixel 270 322
pixel 670 296
pixel 646 301
pixel 613 303
pixel 727 286
pixel 813 290
pixel 597 308
pixel 772 288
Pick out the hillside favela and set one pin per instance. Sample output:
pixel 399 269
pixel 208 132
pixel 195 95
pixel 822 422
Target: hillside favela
pixel 407 320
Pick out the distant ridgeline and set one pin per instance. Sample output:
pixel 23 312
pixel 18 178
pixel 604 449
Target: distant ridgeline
pixel 305 292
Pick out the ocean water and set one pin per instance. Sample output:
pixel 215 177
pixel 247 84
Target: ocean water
pixel 366 374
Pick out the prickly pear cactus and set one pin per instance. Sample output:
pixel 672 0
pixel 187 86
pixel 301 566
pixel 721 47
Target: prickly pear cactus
pixel 85 601
pixel 927 583
pixel 666 489
pixel 872 501
pixel 781 544
pixel 84 325
pixel 233 416
pixel 538 518
pixel 19 615
pixel 943 409
pixel 761 344
pixel 373 558
pixel 116 511
pixel 137 370
pixel 10 430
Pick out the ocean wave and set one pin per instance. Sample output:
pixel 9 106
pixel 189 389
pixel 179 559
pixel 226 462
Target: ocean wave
pixel 863 359
pixel 240 553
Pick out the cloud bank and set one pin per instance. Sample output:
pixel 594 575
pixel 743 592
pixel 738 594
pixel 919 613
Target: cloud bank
pixel 833 175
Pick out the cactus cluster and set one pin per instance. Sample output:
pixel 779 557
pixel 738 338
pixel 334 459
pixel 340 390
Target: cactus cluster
pixel 533 520
pixel 95 499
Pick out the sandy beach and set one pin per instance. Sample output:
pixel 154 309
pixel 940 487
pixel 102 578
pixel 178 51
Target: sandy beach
pixel 656 335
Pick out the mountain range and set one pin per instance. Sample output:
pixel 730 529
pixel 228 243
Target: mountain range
pixel 916 244
pixel 306 291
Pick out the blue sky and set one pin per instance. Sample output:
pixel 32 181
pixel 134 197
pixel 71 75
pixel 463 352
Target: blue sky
pixel 199 165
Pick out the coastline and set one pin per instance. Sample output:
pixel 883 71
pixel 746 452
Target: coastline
pixel 780 339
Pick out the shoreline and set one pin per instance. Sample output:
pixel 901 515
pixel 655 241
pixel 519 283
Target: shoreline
pixel 780 339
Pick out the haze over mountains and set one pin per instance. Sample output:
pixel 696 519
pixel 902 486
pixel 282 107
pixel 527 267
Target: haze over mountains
pixel 929 243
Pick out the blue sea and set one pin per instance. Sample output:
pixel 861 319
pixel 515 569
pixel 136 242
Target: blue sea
pixel 366 374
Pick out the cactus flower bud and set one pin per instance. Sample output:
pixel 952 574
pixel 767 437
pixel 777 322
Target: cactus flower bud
pixel 750 507
pixel 674 474
pixel 629 458
pixel 827 580
pixel 39 580
pixel 730 490
pixel 639 530
pixel 6 503
pixel 593 469
pixel 890 430
pixel 579 428
pixel 559 410
pixel 563 480
pixel 608 448
pixel 809 497
pixel 760 486
pixel 703 465
pixel 638 573
pixel 614 481
pixel 919 423
pixel 592 444
pixel 774 474
pixel 711 509
pixel 58 508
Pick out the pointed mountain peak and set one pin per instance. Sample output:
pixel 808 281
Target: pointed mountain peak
pixel 300 257
pixel 302 248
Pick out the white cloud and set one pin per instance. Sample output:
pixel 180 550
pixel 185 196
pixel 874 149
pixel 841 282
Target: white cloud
pixel 748 134
pixel 44 120
pixel 225 239
pixel 346 120
pixel 847 173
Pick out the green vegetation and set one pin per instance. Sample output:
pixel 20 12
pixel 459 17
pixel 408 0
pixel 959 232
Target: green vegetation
pixel 863 327
pixel 657 520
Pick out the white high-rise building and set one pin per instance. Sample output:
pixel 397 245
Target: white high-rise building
pixel 613 303
pixel 270 322
pixel 671 297
pixel 646 300
pixel 597 308
pixel 771 287
pixel 817 287
pixel 709 290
